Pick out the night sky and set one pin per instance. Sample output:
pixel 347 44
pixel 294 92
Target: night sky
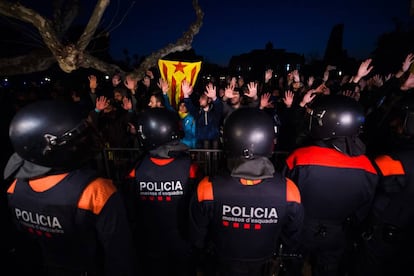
pixel 233 27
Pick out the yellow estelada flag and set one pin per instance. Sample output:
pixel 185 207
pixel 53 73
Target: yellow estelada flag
pixel 175 72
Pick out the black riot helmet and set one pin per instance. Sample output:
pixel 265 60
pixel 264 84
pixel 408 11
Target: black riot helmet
pixel 249 132
pixel 336 116
pixel 157 126
pixel 53 134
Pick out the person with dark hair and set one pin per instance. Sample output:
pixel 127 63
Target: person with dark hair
pixel 75 218
pixel 145 89
pixel 188 126
pixel 156 100
pixel 116 80
pixel 337 182
pixel 112 119
pixel 119 94
pixel 159 97
pixel 116 84
pixel 245 214
pixel 82 100
pixel 208 115
pixel 236 97
pixel 388 240
pixel 161 185
pixel 96 90
pixel 379 106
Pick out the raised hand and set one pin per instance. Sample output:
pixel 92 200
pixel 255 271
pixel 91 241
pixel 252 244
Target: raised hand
pixel 388 77
pixel 228 92
pixel 321 88
pixel 288 98
pixel 252 90
pixel 127 103
pixel 93 82
pixel 265 101
pixel 130 83
pixel 409 59
pixel 150 74
pixel 186 88
pixel 163 85
pixel 268 74
pixel 101 103
pixel 377 80
pixel 211 91
pixel 364 69
pixel 308 97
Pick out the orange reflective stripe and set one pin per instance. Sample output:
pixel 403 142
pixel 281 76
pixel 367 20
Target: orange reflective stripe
pixel 319 156
pixel 389 166
pixel 205 190
pixel 161 162
pixel 131 174
pixel 44 183
pixel 96 194
pixel 10 190
pixel 292 191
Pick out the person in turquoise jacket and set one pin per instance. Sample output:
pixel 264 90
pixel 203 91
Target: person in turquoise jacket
pixel 188 126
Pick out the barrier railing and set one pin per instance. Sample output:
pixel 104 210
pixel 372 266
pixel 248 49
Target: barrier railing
pixel 116 163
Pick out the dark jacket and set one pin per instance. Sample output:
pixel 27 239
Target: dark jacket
pixel 78 220
pixel 207 122
pixel 246 219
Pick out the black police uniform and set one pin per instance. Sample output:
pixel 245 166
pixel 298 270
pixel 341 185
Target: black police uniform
pixel 245 220
pixel 388 242
pixel 337 190
pixel 162 190
pixel 78 220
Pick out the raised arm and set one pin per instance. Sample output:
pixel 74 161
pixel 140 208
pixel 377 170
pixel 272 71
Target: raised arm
pixel 409 83
pixel 364 69
pixel 164 86
pixel 93 83
pixel 409 59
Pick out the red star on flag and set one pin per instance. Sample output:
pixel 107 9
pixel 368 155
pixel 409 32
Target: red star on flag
pixel 179 67
pixel 175 72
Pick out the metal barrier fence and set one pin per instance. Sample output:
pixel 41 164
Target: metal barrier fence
pixel 116 163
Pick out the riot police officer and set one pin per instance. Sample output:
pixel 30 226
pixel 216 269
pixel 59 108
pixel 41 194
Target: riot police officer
pixel 76 218
pixel 337 182
pixel 164 180
pixel 387 244
pixel 245 214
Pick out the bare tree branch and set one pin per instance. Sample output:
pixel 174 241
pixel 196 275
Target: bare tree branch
pixel 90 61
pixel 74 56
pixel 184 43
pixel 92 25
pixel 36 61
pixel 44 26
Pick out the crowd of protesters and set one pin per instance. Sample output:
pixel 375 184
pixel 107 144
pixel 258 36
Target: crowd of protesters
pixel 206 106
pixel 203 110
